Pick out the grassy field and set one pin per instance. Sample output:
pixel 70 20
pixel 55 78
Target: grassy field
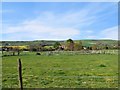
pixel 62 71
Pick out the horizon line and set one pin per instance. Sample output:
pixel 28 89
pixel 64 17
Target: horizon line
pixel 58 40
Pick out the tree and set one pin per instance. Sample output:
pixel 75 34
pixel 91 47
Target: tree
pixel 32 47
pixel 106 46
pixel 70 44
pixel 78 46
pixel 56 45
pixel 16 49
pixel 94 47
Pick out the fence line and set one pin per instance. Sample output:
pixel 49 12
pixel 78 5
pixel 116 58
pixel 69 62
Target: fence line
pixel 10 53
pixel 88 52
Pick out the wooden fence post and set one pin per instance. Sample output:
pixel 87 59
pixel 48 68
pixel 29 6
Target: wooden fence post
pixel 20 74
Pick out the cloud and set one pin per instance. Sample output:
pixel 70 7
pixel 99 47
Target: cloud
pixel 58 26
pixel 89 31
pixel 110 33
pixel 35 29
pixel 6 11
pixel 49 25
pixel 91 37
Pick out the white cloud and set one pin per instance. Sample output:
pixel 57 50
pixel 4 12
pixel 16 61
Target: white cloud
pixel 110 33
pixel 49 25
pixel 35 29
pixel 90 37
pixel 6 11
pixel 89 31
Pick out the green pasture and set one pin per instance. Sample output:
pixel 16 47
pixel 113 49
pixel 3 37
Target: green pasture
pixel 61 71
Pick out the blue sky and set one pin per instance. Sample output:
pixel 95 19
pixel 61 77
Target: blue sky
pixel 59 20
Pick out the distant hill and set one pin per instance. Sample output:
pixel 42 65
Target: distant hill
pixel 20 43
pixel 101 42
pixel 84 42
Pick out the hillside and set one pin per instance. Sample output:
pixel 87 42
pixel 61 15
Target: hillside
pixel 84 42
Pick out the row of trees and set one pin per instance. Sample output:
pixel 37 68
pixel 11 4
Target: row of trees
pixel 12 50
pixel 69 45
pixel 78 45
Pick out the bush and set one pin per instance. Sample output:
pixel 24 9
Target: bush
pixel 102 65
pixel 38 54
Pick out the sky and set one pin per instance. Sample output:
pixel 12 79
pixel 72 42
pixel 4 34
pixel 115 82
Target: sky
pixel 26 21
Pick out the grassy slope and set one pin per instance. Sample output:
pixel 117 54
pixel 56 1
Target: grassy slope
pixel 62 71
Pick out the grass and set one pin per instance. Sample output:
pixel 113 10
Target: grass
pixel 62 71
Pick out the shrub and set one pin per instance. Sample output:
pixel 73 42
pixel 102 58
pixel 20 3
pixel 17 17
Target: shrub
pixel 102 65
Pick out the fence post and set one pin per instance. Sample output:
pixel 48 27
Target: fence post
pixel 20 74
